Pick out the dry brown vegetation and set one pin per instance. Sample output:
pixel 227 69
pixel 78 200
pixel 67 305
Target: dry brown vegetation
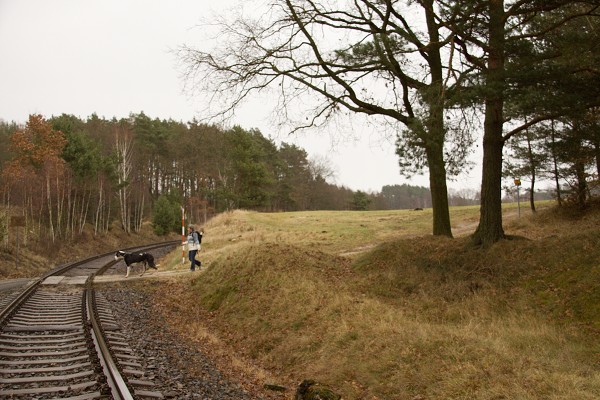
pixel 372 305
pixel 34 256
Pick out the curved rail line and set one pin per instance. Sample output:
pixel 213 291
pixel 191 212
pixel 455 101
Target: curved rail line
pixel 61 341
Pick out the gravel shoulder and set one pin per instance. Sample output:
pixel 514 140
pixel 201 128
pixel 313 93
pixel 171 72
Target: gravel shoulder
pixel 180 368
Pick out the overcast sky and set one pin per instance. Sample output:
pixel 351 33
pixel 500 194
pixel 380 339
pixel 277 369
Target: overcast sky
pixel 115 57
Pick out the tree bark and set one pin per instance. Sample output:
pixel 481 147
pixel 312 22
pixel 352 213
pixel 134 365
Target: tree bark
pixel 435 126
pixel 597 155
pixel 439 197
pixel 580 173
pixel 123 148
pixel 581 184
pixel 532 165
pixel 49 204
pixel 437 168
pixel 555 163
pixel 98 217
pixel 490 228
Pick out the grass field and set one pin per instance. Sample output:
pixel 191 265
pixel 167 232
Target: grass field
pixel 372 305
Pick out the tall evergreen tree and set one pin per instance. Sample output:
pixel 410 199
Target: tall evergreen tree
pixel 489 34
pixel 294 178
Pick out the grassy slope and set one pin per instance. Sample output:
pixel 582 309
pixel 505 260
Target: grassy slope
pixel 371 304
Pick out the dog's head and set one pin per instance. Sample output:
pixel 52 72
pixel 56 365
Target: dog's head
pixel 119 254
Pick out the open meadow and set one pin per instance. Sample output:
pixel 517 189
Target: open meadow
pixel 374 306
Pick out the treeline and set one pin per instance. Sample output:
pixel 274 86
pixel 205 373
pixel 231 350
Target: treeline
pixel 63 173
pixel 400 197
pixel 565 152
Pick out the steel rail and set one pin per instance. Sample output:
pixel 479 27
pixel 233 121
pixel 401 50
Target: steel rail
pixel 115 380
pixel 30 289
pixel 120 389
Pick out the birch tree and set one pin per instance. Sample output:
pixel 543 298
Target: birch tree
pixel 123 148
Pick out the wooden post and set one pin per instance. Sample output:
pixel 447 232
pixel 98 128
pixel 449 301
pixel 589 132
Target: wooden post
pixel 182 236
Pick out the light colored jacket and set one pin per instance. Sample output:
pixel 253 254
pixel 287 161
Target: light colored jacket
pixel 193 241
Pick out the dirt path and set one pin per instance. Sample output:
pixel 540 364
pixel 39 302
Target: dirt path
pixel 147 275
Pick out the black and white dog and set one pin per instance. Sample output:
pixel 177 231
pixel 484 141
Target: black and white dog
pixel 145 259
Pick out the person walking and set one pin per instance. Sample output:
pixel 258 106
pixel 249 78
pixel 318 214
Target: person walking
pixel 194 240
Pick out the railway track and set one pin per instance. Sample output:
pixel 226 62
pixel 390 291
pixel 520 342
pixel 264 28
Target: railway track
pixel 59 340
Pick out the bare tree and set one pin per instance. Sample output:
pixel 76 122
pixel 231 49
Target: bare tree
pixel 379 59
pixel 320 166
pixel 123 147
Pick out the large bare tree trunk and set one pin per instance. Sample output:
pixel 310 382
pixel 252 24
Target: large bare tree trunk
pixel 490 228
pixel 439 190
pixel 435 125
pixel 439 200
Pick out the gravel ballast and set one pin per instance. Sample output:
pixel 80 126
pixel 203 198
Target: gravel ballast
pixel 179 369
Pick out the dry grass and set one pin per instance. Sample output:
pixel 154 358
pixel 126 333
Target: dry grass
pixel 372 305
pixel 36 256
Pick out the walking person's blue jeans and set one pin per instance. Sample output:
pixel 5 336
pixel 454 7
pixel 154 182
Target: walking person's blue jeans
pixel 193 261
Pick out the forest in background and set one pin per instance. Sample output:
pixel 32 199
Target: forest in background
pixel 64 172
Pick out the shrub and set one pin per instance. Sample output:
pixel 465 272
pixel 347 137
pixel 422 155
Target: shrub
pixel 167 215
